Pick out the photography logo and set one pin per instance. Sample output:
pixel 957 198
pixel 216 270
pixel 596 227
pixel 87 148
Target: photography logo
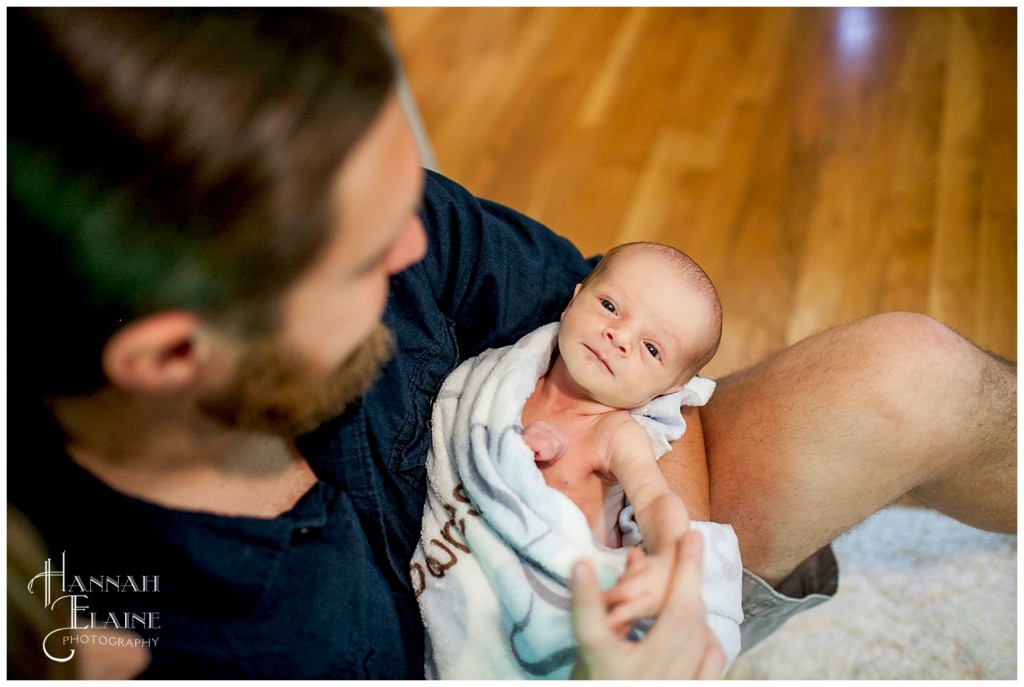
pixel 73 603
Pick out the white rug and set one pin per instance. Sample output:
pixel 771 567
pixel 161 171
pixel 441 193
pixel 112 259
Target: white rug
pixel 921 596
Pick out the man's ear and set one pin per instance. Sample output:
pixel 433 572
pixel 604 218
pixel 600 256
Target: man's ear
pixel 155 353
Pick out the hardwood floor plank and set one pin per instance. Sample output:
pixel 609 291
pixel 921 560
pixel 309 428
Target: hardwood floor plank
pixel 821 163
pixel 954 264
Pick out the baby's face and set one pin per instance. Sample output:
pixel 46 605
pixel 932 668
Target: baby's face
pixel 633 332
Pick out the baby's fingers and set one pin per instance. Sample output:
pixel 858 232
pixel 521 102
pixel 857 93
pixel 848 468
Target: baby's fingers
pixel 625 614
pixel 635 555
pixel 617 594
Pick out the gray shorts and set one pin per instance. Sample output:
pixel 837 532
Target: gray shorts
pixel 766 608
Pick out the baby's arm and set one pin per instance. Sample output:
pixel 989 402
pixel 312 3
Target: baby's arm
pixel 660 513
pixel 661 516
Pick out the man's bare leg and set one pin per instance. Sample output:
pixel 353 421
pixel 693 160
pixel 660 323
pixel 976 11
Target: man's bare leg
pixel 808 443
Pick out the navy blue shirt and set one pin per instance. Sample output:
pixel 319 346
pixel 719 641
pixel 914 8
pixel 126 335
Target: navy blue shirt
pixel 322 590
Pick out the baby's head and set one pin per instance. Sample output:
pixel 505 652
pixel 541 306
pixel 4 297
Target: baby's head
pixel 642 324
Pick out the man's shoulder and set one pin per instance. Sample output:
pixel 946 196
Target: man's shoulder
pixel 444 198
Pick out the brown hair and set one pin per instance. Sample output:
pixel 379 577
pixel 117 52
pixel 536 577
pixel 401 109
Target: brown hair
pixel 173 158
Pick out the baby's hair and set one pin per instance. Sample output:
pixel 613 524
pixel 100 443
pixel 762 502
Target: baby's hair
pixel 691 272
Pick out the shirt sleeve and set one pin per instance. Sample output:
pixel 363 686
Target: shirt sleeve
pixel 496 274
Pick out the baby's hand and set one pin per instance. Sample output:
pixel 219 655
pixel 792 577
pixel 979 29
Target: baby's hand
pixel 547 441
pixel 641 590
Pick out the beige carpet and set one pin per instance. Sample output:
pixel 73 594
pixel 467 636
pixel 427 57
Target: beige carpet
pixel 921 596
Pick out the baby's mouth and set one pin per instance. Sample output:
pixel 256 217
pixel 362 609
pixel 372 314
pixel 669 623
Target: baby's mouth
pixel 601 358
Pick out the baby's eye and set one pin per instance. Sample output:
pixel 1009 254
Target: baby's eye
pixel 608 305
pixel 652 349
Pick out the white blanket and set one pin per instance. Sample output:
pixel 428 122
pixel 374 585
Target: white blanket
pixel 497 545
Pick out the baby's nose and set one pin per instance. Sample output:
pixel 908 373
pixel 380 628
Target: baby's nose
pixel 618 339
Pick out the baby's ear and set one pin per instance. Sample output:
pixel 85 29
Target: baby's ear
pixel 575 292
pixel 680 385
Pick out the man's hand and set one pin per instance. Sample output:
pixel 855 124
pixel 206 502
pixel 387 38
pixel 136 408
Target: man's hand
pixel 679 645
pixel 642 590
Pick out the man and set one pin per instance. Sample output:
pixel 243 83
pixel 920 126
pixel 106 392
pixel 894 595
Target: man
pixel 217 205
pixel 212 212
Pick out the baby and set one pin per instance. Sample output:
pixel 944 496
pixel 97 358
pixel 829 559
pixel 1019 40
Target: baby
pixel 497 546
pixel 641 325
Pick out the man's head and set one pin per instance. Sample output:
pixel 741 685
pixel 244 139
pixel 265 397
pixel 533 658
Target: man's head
pixel 180 178
pixel 642 323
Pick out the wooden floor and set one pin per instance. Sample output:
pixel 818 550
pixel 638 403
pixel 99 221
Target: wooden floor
pixel 821 164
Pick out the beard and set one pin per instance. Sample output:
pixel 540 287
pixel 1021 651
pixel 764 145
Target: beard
pixel 279 392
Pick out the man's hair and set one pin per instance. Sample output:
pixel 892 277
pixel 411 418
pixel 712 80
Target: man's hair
pixel 172 158
pixel 690 271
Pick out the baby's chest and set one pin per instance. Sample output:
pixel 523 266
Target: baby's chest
pixel 581 472
pixel 599 498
